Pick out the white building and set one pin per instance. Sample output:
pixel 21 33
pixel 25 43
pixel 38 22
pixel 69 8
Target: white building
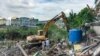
pixel 2 21
pixel 8 21
pixel 24 21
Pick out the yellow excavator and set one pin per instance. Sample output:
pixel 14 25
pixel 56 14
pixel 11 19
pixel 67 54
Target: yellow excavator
pixel 42 34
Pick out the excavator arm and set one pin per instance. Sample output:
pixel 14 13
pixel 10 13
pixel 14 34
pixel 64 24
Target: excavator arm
pixel 42 34
pixel 53 20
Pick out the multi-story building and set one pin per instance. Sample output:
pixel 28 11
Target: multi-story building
pixel 2 21
pixel 33 21
pixel 24 21
pixel 15 21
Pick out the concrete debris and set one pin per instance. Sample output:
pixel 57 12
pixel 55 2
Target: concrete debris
pixel 12 51
pixel 97 52
pixel 55 50
pixel 24 53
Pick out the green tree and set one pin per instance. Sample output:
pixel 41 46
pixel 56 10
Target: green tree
pixel 84 16
pixel 56 33
pixel 72 19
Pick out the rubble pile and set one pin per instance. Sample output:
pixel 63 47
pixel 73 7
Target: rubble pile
pixel 19 49
pixel 12 51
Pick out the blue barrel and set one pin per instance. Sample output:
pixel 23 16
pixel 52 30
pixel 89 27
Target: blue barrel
pixel 75 36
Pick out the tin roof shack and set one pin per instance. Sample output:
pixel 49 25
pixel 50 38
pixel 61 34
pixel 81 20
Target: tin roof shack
pixel 96 28
pixel 96 25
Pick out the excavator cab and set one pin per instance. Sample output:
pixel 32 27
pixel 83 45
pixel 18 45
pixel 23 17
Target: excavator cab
pixel 40 32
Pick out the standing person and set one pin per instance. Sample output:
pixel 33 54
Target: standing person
pixel 71 53
pixel 47 42
pixel 64 44
pixel 43 45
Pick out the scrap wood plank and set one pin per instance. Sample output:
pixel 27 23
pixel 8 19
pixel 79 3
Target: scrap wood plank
pixel 40 53
pixel 43 53
pixel 51 48
pixel 97 52
pixel 90 47
pixel 19 46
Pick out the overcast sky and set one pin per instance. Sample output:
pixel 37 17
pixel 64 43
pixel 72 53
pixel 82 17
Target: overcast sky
pixel 41 9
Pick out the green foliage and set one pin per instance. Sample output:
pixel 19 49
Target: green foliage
pixel 40 26
pixel 91 31
pixel 72 15
pixel 17 33
pixel 56 33
pixel 84 16
pixel 2 35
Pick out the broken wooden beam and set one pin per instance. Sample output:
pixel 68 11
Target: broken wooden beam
pixel 22 50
